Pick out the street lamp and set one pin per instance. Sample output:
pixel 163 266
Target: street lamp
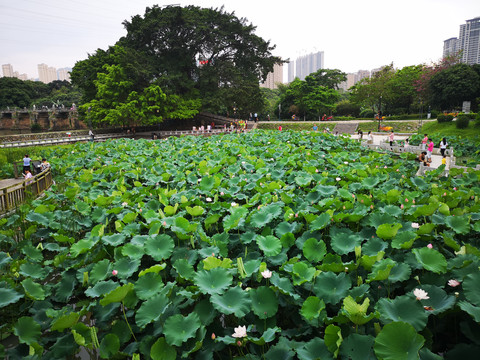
pixel 379 112
pixel 279 111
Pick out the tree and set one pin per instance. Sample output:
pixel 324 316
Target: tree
pixel 403 94
pixel 453 85
pixel 329 78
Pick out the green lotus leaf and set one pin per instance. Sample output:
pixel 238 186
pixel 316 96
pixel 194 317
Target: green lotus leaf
pixel 403 308
pixel 170 210
pixel 326 191
pixel 399 272
pixel 357 347
pixel 270 245
pixel 4 259
pixel 381 270
pixel 100 271
pixel 109 346
pixel 314 250
pixel 8 296
pixel 312 307
pixel 439 300
pixel 425 210
pixel 302 273
pixel 101 288
pixel 65 322
pixel 320 222
pixel 114 240
pixel 268 336
pixel 398 340
pixel 207 183
pixel 210 220
pixel 376 219
pixel 392 210
pixel 184 269
pixel 344 241
pixel 160 350
pixel 357 313
pixel 38 218
pixel 195 211
pixel 159 247
pixel 235 219
pixel 117 295
pixel 472 288
pixel 313 350
pixel 178 329
pixel 126 267
pixel 212 262
pixel 472 310
pixel 214 281
pixel 426 228
pixel 129 217
pixel 148 285
pixel 332 287
pixel 260 219
pixel 431 260
pixel 233 301
pixel 333 339
pixel 345 194
pixel 33 270
pixel 181 225
pixel 404 240
pixel 132 251
pixel 459 224
pixel 33 290
pixel 303 179
pixel 264 302
pixel 370 182
pixel 27 330
pixel 151 310
pixel 155 269
pixel 388 231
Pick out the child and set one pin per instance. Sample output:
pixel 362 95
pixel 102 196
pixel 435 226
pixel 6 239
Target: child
pixel 430 151
pixel 424 142
pixel 444 160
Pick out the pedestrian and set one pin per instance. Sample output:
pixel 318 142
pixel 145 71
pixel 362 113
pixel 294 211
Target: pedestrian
pixel 424 142
pixel 406 143
pixel 26 163
pixel 315 127
pixel 280 128
pixel 91 134
pixel 28 175
pixel 443 146
pixel 255 117
pixel 44 165
pixel 370 137
pixel 391 137
pixel 360 135
pixel 444 160
pixel 430 151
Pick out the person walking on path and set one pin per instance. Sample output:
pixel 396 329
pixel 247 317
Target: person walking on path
pixel 370 137
pixel 391 137
pixel 443 146
pixel 424 142
pixel 26 163
pixel 430 151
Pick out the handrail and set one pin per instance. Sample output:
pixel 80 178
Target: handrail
pixel 14 195
pixel 62 140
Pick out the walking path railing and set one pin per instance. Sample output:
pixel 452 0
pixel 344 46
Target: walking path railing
pixel 63 140
pixel 14 195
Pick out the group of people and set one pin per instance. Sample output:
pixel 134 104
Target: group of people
pixel 27 171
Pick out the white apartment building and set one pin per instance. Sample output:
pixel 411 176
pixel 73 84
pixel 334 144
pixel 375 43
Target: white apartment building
pixel 468 42
pixel 273 78
pixel 7 70
pixel 47 74
pixel 307 64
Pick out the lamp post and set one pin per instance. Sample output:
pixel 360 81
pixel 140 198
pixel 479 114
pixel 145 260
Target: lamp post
pixel 379 112
pixel 279 111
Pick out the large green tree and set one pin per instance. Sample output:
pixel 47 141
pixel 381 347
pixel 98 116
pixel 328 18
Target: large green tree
pixel 451 86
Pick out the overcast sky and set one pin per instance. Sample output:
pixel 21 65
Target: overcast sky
pixel 353 34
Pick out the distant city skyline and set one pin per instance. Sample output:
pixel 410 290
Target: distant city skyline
pixel 468 42
pixel 46 74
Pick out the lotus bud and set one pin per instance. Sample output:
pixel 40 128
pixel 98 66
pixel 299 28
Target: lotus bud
pixel 114 272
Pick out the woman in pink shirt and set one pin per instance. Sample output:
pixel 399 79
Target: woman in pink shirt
pixel 391 137
pixel 429 151
pixel 424 142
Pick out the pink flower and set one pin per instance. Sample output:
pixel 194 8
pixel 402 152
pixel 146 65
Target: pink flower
pixel 222 193
pixel 454 188
pixel 453 283
pixel 415 225
pixel 385 167
pixel 164 223
pixel 401 206
pixel 296 215
pixel 444 194
pixel 240 332
pixel 413 201
pixel 430 246
pixel 421 294
pixel 267 274
pixel 406 200
pixel 114 272
pixel 213 336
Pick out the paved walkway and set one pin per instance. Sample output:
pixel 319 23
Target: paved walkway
pixel 9 182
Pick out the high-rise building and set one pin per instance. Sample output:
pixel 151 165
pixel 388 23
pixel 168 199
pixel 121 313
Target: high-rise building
pixel 450 46
pixel 468 42
pixel 347 84
pixel 291 71
pixel 361 74
pixel 7 70
pixel 47 73
pixel 273 78
pixel 307 64
pixel 63 74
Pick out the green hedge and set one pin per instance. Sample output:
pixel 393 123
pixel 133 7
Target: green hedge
pixel 441 118
pixel 462 121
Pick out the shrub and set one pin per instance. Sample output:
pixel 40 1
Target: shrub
pixel 441 118
pixel 462 121
pixel 367 113
pixel 36 128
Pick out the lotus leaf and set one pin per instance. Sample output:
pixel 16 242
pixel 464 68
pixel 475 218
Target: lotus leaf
pixel 159 247
pixel 333 339
pixel 314 250
pixel 162 351
pixel 178 329
pixel 358 347
pixel 27 330
pixel 398 340
pixel 403 308
pixel 117 294
pixel 438 301
pixel 65 322
pixel 472 310
pixel 344 241
pixel 33 290
pixel 270 245
pixel 331 287
pixel 148 285
pixel 101 288
pixel 109 346
pixel 312 307
pixel 151 310
pixel 431 260
pixel 214 281
pixel 381 270
pixel 314 350
pixel 357 313
pixel 233 301
pixel 459 224
pixel 264 302
pixel 472 288
pixel 388 231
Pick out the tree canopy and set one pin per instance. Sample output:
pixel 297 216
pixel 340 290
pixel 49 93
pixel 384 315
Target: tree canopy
pixel 194 55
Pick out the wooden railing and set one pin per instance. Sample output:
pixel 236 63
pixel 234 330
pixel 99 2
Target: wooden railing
pixel 14 195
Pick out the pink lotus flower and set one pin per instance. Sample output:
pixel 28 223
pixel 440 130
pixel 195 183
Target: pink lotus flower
pixel 296 215
pixel 413 201
pixel 430 246
pixel 453 283
pixel 406 200
pixel 114 272
pixel 421 294
pixel 222 193
pixel 267 274
pixel 124 203
pixel 401 206
pixel 454 189
pixel 213 336
pixel 444 194
pixel 240 332
pixel 164 223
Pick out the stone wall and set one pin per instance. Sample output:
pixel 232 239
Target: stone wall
pixel 56 119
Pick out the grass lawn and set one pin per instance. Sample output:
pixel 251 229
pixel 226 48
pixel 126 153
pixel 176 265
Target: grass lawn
pixel 449 128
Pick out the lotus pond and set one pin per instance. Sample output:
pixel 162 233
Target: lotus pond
pixel 285 245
